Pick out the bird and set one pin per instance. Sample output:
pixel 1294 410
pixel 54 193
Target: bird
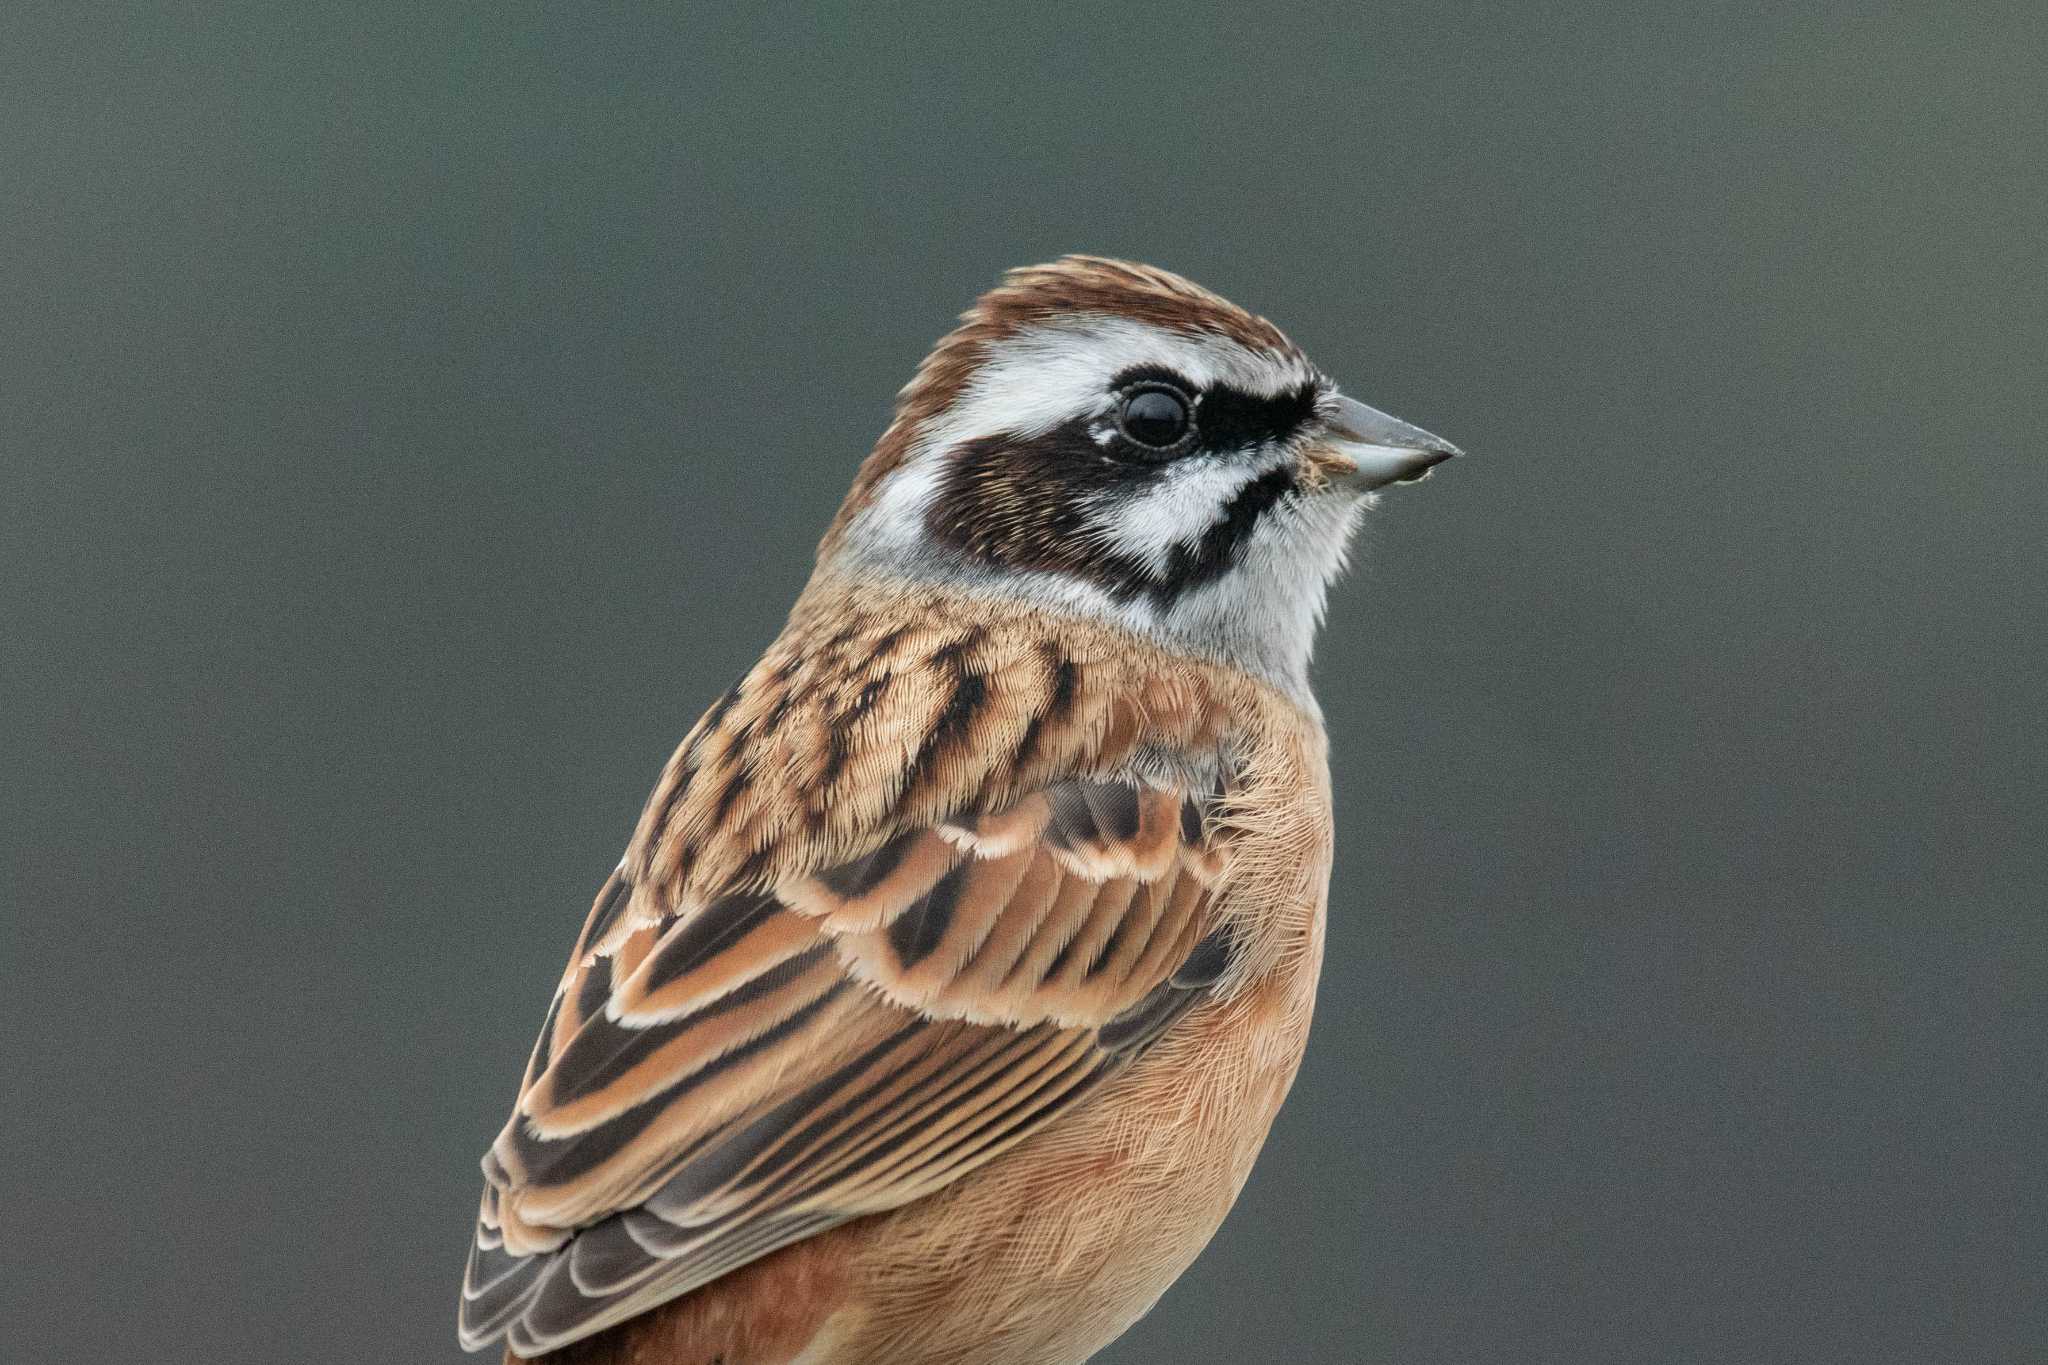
pixel 965 949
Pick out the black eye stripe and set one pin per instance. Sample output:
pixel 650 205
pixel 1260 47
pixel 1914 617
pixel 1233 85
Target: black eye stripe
pixel 1228 418
pixel 1233 419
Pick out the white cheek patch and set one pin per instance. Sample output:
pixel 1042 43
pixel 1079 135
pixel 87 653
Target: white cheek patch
pixel 1186 499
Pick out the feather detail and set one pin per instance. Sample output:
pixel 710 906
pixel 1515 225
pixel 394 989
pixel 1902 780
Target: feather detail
pixel 834 974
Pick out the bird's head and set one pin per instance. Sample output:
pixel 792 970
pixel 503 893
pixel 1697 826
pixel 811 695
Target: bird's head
pixel 1107 439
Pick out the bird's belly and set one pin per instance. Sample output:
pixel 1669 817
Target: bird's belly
pixel 1052 1251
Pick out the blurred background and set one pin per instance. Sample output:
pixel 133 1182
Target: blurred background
pixel 412 416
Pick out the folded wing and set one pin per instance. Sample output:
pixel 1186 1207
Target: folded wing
pixel 717 1083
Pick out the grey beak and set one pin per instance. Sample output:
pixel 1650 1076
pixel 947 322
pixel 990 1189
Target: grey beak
pixel 1383 449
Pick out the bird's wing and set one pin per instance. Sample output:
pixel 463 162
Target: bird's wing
pixel 720 1081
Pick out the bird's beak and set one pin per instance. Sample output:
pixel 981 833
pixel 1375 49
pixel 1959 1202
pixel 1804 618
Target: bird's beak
pixel 1367 449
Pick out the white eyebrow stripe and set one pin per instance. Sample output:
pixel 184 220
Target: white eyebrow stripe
pixel 1045 375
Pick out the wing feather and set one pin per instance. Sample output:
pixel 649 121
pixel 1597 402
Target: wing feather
pixel 719 1082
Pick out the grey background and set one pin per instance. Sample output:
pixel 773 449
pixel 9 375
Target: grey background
pixel 410 417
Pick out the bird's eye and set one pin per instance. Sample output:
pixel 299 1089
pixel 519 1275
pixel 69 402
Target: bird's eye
pixel 1154 416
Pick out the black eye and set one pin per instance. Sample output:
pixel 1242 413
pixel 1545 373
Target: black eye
pixel 1154 416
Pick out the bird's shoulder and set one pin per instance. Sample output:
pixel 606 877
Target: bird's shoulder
pixel 879 710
